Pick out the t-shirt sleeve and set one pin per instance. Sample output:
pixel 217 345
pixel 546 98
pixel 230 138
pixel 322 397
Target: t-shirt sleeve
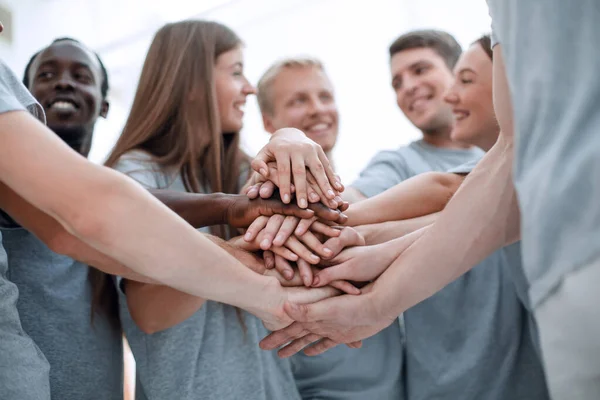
pixel 14 96
pixel 385 170
pixel 140 168
pixel 466 168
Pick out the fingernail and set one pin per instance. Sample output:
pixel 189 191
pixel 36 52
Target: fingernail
pixel 289 275
pixel 338 199
pixel 330 193
pixel 278 240
pixel 263 172
pixel 314 258
pixel 248 236
pixel 327 251
pixel 286 198
pixel 313 197
pixel 316 281
pixel 265 244
pixel 303 203
pixel 306 280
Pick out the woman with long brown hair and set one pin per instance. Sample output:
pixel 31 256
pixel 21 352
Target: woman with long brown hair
pixel 183 134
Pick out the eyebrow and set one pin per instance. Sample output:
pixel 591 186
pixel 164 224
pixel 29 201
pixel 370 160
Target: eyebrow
pixel 78 64
pixel 237 64
pixel 467 70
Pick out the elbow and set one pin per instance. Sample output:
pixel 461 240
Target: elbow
pixel 146 326
pixel 448 184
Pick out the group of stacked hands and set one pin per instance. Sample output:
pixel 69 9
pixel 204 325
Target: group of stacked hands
pixel 299 234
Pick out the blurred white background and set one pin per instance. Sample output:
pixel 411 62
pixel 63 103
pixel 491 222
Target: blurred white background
pixel 350 37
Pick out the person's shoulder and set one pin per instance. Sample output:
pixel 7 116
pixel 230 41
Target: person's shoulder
pixel 14 96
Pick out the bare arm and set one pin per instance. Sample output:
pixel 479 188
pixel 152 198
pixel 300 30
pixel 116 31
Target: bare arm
pixel 482 217
pixel 49 231
pixel 115 216
pixel 386 231
pixel 353 195
pixel 420 195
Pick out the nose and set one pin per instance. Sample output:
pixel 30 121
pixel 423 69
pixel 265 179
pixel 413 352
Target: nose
pixel 64 82
pixel 248 89
pixel 410 84
pixel 451 97
pixel 317 106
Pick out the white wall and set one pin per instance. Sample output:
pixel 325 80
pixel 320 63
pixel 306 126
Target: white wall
pixel 350 37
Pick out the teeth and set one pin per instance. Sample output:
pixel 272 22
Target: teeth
pixel 63 106
pixel 240 107
pixel 319 127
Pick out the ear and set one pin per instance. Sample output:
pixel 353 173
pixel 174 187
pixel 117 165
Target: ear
pixel 268 123
pixel 104 108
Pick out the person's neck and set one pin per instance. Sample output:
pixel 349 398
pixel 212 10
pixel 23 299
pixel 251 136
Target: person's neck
pixel 79 140
pixel 441 138
pixel 330 158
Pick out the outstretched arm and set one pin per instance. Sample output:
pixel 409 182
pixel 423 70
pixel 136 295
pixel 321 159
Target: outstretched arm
pixel 420 195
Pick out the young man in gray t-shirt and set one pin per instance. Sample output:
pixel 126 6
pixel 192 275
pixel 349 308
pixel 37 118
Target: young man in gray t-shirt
pixel 421 64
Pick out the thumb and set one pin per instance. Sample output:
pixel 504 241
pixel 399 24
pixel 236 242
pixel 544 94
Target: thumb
pixel 330 274
pixel 259 163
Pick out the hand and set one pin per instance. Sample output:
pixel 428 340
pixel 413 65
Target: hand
pixel 348 237
pixel 242 211
pixel 294 153
pixel 287 270
pixel 342 319
pixel 266 188
pixel 364 263
pixel 273 315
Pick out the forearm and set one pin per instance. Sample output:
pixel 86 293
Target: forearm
pixel 49 231
pixel 481 217
pixel 420 195
pixel 386 231
pixel 115 216
pixel 155 308
pixel 199 210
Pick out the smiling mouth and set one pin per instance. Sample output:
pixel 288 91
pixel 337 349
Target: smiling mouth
pixel 63 106
pixel 419 103
pixel 460 115
pixel 319 128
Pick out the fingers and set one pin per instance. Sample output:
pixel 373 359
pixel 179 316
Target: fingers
pixel 305 272
pixel 320 347
pixel 269 258
pixel 284 267
pixel 324 229
pixel 266 190
pixel 344 206
pixel 345 287
pixel 285 253
pixel 348 237
pixel 340 272
pixel 255 228
pixel 313 243
pixel 355 345
pixel 284 177
pixel 304 225
pixel 331 176
pixel 259 163
pixel 298 344
pixel 267 235
pixel 286 230
pixel 279 338
pixel 299 176
pixel 301 251
pixel 328 214
pixel 314 185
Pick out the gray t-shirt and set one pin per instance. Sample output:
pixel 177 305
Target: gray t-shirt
pixel 390 167
pixel 208 356
pixel 55 298
pixel 476 338
pixel 552 72
pixel 24 371
pixel 372 372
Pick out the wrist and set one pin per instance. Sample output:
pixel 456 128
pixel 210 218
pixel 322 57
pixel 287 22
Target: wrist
pixel 223 204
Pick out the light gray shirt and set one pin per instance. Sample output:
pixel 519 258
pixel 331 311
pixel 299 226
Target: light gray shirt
pixel 55 297
pixel 24 371
pixel 552 68
pixel 390 167
pixel 208 356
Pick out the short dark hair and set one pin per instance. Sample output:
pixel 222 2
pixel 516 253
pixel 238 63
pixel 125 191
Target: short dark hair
pixel 443 43
pixel 104 88
pixel 485 42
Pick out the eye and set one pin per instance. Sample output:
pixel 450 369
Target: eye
pixel 83 78
pixel 45 75
pixel 326 97
pixel 420 70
